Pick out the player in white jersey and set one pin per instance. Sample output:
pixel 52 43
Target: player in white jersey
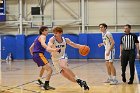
pixel 108 42
pixel 60 58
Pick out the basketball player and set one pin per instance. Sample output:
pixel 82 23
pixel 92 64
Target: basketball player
pixel 60 58
pixel 37 50
pixel 108 42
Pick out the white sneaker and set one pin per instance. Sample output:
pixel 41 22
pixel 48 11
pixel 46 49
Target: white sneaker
pixel 108 80
pixel 114 82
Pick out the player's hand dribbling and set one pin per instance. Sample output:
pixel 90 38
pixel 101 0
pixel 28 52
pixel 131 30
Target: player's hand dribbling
pixel 101 44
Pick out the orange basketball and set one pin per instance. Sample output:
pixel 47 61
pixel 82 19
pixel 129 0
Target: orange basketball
pixel 84 50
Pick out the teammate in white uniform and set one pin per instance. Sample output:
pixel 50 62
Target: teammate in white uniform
pixel 60 58
pixel 108 42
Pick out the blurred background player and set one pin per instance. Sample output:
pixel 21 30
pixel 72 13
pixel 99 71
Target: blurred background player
pixel 60 58
pixel 9 57
pixel 109 43
pixel 37 50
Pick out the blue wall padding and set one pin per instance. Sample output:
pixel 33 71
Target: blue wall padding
pixel 93 41
pixel 8 44
pixel 20 47
pixel 28 41
pixel 72 52
pixel 117 38
pixel 137 64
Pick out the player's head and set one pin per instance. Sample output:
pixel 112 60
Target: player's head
pixel 43 30
pixel 127 28
pixel 58 31
pixel 102 27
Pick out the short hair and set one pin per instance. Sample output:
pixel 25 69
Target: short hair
pixel 129 26
pixel 42 28
pixel 104 25
pixel 58 29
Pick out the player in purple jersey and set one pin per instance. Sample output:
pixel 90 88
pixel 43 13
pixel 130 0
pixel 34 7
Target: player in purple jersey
pixel 37 50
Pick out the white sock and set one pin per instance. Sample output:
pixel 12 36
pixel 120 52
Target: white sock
pixel 114 77
pixel 109 76
pixel 76 78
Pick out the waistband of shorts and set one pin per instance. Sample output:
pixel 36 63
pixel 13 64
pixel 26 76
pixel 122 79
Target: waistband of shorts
pixel 37 52
pixel 130 50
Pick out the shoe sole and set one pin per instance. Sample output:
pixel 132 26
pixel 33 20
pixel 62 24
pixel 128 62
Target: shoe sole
pixel 86 87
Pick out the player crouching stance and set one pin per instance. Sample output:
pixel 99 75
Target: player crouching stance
pixel 60 59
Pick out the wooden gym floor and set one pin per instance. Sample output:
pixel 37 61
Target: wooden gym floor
pixel 20 77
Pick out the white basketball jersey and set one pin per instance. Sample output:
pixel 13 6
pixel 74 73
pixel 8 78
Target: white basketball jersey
pixel 106 41
pixel 62 47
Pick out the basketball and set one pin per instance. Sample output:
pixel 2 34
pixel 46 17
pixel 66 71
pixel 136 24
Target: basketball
pixel 84 50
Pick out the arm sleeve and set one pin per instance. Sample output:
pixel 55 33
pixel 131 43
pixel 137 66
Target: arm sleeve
pixel 136 39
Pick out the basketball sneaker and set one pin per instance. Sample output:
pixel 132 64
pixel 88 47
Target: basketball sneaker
pixel 114 82
pixel 47 87
pixel 40 82
pixel 80 82
pixel 108 80
pixel 86 87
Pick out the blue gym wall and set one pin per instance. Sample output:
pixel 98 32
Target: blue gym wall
pixel 19 45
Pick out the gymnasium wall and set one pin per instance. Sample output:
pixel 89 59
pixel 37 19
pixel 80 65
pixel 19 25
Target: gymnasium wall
pixel 112 12
pixel 19 45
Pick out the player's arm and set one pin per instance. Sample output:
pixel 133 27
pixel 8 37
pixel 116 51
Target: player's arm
pixel 137 46
pixel 50 43
pixel 42 40
pixel 69 42
pixel 43 43
pixel 101 44
pixel 121 48
pixel 31 49
pixel 112 43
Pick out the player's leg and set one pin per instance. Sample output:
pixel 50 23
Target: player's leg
pixel 63 73
pixel 37 59
pixel 108 69
pixel 124 62
pixel 113 71
pixel 64 65
pixel 58 64
pixel 67 73
pixel 112 68
pixel 45 66
pixel 49 70
pixel 108 72
pixel 132 66
pixel 40 76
